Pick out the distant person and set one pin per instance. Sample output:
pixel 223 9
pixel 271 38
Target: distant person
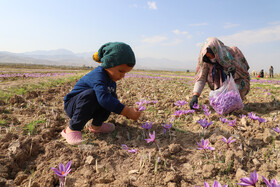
pixel 216 61
pixel 271 72
pixel 261 74
pixel 94 95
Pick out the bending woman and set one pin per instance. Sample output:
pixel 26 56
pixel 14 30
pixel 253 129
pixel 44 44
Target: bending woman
pixel 215 62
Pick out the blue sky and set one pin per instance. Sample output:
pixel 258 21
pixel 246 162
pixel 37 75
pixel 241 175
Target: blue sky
pixel 171 29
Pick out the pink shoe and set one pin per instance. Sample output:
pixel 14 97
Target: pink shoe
pixel 105 128
pixel 73 138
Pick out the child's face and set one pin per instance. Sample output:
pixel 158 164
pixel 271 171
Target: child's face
pixel 118 72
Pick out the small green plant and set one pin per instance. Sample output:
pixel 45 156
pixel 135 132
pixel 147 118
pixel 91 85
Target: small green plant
pixel 3 122
pixel 157 160
pixel 30 128
pixel 229 167
pixel 193 168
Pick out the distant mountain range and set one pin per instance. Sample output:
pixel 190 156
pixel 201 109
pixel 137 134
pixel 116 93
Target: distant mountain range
pixel 63 57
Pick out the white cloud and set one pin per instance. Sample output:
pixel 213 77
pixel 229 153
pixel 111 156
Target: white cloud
pixel 230 25
pixel 198 24
pixel 173 42
pixel 274 23
pixel 249 37
pixel 154 39
pixel 152 5
pixel 184 33
pixel 176 31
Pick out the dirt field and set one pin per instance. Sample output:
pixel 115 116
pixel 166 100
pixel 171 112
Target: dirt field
pixel 30 140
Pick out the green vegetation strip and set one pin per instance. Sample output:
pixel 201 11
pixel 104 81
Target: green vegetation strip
pixel 5 95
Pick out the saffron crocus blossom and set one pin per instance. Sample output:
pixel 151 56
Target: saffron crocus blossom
pixel 245 181
pixel 204 123
pixel 124 147
pixel 141 102
pixel 242 116
pixel 253 116
pixel 204 107
pixel 276 129
pixel 232 123
pixel 203 145
pixel 261 120
pixel 152 137
pixel 155 101
pixel 62 172
pixel 228 141
pixel 223 120
pixel 272 183
pixel 188 111
pixel 166 126
pixel 180 103
pixel 207 112
pixel 147 125
pixel 141 107
pixel 215 184
pixel 178 113
pixel 196 106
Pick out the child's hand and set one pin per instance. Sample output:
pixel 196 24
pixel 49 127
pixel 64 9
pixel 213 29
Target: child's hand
pixel 131 113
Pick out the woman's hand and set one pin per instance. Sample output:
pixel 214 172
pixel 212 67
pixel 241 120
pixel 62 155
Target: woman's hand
pixel 193 101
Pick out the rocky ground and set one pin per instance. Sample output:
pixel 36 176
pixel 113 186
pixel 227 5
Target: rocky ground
pixel 30 140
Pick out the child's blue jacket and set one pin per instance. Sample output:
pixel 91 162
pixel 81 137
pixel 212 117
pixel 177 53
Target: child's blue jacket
pixel 104 87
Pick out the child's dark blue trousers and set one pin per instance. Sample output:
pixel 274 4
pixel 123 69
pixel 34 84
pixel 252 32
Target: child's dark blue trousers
pixel 83 107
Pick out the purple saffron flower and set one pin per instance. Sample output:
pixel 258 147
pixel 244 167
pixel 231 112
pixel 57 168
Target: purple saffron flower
pixel 141 107
pixel 180 103
pixel 276 129
pixel 207 112
pixel 232 123
pixel 242 116
pixel 188 111
pixel 253 116
pixel 177 113
pixel 147 125
pixel 166 126
pixel 62 172
pixel 245 181
pixel 204 123
pixel 141 102
pixel 228 141
pixel 124 147
pixel 204 107
pixel 196 106
pixel 132 150
pixel 261 120
pixel 215 184
pixel 152 137
pixel 223 120
pixel 203 145
pixel 272 183
pixel 155 101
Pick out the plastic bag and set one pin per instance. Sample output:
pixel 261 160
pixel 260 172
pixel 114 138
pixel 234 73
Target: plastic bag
pixel 227 98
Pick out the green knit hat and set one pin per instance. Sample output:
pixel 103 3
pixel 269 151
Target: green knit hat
pixel 113 54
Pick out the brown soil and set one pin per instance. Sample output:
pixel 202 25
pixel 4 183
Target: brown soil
pixel 26 158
